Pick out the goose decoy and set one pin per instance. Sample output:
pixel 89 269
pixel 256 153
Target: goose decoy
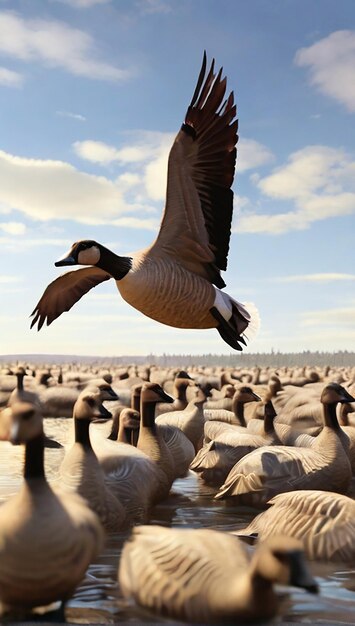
pixel 217 457
pixel 271 470
pixel 47 539
pixel 204 576
pixel 235 416
pixel 190 421
pixel 80 470
pixel 177 279
pixel 323 521
pixel 181 448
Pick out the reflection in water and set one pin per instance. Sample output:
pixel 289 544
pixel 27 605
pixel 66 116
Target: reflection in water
pixel 98 599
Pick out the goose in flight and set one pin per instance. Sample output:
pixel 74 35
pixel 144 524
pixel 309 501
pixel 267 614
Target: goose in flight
pixel 177 279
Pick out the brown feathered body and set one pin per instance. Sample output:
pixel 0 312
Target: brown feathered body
pixel 323 521
pixel 47 543
pixel 200 575
pixel 177 280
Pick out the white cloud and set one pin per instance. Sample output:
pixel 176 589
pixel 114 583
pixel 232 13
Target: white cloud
pixel 74 116
pixel 9 78
pixel 12 243
pixel 55 44
pixel 252 154
pixel 331 63
pixel 95 151
pixel 47 190
pixel 13 228
pixel 315 278
pixel 337 317
pixel 5 279
pixel 320 183
pixel 146 149
pixel 136 222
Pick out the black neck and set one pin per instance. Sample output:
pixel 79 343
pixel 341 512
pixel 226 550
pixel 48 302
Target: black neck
pixel 82 432
pixel 117 266
pixel 114 428
pixel 330 416
pixel 239 411
pixel 135 402
pixel 269 417
pixel 34 458
pixel 20 378
pixel 131 435
pixel 148 415
pixel 181 392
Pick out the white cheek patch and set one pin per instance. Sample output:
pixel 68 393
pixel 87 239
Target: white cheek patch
pixel 89 257
pixel 223 304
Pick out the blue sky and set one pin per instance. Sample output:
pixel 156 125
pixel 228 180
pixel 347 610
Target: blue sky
pixel 92 94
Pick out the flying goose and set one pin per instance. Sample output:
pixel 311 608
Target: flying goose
pixel 176 280
pixel 270 470
pixel 200 575
pixel 47 539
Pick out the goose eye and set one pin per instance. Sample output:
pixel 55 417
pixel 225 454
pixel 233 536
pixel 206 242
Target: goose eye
pixel 91 402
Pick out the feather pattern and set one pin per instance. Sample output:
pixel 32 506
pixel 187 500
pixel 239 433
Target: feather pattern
pixel 324 521
pixel 64 292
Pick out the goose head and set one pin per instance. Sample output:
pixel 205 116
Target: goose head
pixel 245 394
pixel 105 389
pixel 129 426
pixel 89 406
pixel 85 252
pixel 281 560
pixel 24 422
pixel 153 393
pixel 334 393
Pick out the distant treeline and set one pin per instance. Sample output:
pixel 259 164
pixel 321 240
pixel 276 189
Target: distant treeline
pixel 272 359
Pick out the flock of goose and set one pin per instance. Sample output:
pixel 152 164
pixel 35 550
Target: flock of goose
pixel 281 441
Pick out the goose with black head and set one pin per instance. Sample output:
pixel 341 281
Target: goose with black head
pixel 176 280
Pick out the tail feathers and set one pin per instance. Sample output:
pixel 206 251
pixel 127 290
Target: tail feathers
pixel 199 462
pixel 248 539
pixel 242 323
pixel 254 319
pixel 239 486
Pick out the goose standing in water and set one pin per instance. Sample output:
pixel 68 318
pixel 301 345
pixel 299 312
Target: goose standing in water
pixel 80 469
pixel 270 470
pixel 204 575
pixel 177 279
pixel 47 540
pixel 323 521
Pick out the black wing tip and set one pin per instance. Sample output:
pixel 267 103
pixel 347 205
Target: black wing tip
pixel 38 319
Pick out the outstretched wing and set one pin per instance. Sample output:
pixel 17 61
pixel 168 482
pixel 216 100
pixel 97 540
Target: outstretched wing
pixel 196 224
pixel 64 292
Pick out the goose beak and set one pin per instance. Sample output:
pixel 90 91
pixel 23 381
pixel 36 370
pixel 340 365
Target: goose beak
pixel 347 398
pixel 67 259
pixel 256 397
pixel 103 414
pixel 300 574
pixel 109 395
pixel 165 397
